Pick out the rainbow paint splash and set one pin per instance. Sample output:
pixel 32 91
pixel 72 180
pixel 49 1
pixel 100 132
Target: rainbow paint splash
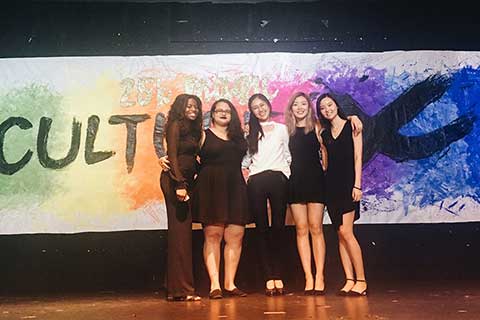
pixel 77 133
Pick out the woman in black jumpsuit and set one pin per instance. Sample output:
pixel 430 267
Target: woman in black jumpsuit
pixel 183 133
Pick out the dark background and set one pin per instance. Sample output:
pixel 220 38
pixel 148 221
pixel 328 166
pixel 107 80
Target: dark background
pixel 135 260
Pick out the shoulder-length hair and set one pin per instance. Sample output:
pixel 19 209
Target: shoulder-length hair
pixel 255 131
pixel 291 121
pixel 324 122
pixel 234 128
pixel 177 113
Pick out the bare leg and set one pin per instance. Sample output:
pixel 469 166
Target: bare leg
pixel 354 250
pixel 315 222
pixel 347 265
pixel 211 253
pixel 232 251
pixel 299 212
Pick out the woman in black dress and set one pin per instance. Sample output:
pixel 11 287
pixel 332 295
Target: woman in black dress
pixel 220 196
pixel 344 189
pixel 306 188
pixel 183 134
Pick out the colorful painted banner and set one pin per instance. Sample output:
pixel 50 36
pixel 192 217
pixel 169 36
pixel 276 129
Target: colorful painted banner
pixel 76 133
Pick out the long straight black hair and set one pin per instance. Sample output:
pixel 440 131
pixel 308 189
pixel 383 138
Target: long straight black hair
pixel 324 122
pixel 255 131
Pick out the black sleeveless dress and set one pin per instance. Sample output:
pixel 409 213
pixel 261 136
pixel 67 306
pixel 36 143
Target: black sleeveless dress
pixel 220 192
pixel 340 175
pixel 306 183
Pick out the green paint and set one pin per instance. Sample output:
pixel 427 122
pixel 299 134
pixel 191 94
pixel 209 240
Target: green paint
pixel 33 183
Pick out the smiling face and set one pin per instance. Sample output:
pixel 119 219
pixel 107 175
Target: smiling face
pixel 191 111
pixel 328 108
pixel 260 109
pixel 222 114
pixel 300 108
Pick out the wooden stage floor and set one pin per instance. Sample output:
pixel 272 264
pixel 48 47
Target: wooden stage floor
pixel 404 301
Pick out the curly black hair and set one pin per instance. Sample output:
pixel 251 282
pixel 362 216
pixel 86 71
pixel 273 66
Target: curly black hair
pixel 177 113
pixel 234 129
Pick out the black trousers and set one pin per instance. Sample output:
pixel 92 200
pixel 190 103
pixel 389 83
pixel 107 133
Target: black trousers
pixel 179 255
pixel 271 185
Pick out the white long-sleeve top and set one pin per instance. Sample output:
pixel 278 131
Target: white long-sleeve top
pixel 273 153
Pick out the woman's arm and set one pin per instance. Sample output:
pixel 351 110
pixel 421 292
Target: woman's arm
pixel 173 139
pixel 357 125
pixel 202 139
pixel 324 153
pixel 284 142
pixel 357 157
pixel 323 149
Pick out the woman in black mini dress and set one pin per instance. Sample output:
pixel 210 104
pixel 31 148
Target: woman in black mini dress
pixel 306 188
pixel 220 196
pixel 344 189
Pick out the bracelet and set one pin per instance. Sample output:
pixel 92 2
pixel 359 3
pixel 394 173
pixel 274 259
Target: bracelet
pixel 357 188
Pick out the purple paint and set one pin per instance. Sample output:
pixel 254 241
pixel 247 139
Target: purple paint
pixel 370 87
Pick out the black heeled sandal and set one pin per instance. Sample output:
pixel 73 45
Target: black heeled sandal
pixel 364 293
pixel 343 293
pixel 215 294
pixel 310 292
pixel 319 292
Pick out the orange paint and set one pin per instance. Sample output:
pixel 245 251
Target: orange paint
pixel 142 184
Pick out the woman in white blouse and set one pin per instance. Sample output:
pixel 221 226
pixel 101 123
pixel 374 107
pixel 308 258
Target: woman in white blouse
pixel 268 161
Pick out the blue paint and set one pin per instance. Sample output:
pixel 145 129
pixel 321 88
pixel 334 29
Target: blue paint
pixel 451 173
pixel 455 171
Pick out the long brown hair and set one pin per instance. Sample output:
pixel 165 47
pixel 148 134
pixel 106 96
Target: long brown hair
pixel 291 121
pixel 255 132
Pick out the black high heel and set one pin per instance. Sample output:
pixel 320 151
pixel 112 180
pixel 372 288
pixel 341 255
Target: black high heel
pixel 344 293
pixel 310 292
pixel 364 293
pixel 319 292
pixel 215 294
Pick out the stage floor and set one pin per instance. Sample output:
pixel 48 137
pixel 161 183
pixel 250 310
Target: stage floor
pixel 428 301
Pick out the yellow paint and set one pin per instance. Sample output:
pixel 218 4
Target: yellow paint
pixel 92 192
